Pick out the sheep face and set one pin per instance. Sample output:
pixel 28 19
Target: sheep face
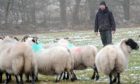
pixel 16 38
pixel 25 38
pixel 35 40
pixel 30 39
pixel 132 44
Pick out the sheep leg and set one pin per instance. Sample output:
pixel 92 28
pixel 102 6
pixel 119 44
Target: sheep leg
pixel 33 77
pixel 110 78
pixel 95 72
pixel 28 78
pixel 115 79
pixel 93 76
pixel 21 78
pixel 58 77
pixel 1 77
pixel 73 76
pixel 62 76
pixel 36 78
pixel 8 77
pixel 66 76
pixel 17 80
pixel 118 76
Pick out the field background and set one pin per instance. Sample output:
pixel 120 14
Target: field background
pixel 130 76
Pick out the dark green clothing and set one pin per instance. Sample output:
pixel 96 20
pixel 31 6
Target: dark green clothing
pixel 106 37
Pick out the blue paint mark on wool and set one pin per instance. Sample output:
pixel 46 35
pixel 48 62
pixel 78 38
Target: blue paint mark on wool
pixel 70 45
pixel 37 47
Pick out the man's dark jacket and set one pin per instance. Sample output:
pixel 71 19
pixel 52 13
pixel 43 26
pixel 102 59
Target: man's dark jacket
pixel 104 21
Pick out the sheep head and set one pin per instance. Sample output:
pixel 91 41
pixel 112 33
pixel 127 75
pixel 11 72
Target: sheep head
pixel 132 44
pixel 25 38
pixel 30 39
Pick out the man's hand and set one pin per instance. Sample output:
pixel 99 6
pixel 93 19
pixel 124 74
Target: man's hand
pixel 96 33
pixel 113 32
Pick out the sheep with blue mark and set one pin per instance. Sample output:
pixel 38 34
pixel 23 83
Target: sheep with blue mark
pixel 52 60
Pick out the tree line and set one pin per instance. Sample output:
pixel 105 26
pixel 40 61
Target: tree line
pixel 63 13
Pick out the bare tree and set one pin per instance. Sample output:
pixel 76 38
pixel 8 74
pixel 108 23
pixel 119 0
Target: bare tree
pixel 75 15
pixel 63 12
pixel 7 10
pixel 126 8
pixel 92 7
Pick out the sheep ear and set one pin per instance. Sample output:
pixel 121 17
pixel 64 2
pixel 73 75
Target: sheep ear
pixel 16 38
pixel 67 38
pixel 57 39
pixel 24 38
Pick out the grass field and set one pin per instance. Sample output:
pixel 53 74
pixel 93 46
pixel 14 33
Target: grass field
pixel 130 76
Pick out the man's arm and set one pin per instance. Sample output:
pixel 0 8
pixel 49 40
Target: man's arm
pixel 112 22
pixel 96 23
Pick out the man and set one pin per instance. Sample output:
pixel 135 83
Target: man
pixel 105 24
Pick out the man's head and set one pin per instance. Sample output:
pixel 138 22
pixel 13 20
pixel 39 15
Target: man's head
pixel 102 5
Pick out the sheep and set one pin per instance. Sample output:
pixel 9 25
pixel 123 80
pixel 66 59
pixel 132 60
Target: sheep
pixel 19 62
pixel 112 60
pixel 53 60
pixel 84 56
pixel 8 76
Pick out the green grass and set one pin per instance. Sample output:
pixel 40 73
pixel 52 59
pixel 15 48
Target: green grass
pixel 130 76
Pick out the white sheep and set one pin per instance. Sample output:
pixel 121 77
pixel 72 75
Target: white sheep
pixel 84 56
pixel 16 58
pixel 113 59
pixel 53 60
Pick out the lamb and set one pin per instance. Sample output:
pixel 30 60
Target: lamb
pixel 112 60
pixel 19 62
pixel 84 56
pixel 53 60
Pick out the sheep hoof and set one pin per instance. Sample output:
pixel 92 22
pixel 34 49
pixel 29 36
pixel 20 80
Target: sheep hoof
pixel 97 78
pixel 21 82
pixel 119 82
pixel 93 77
pixel 65 78
pixel 5 82
pixel 36 79
pixel 28 81
pixel 114 80
pixel 57 81
pixel 0 81
pixel 73 79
